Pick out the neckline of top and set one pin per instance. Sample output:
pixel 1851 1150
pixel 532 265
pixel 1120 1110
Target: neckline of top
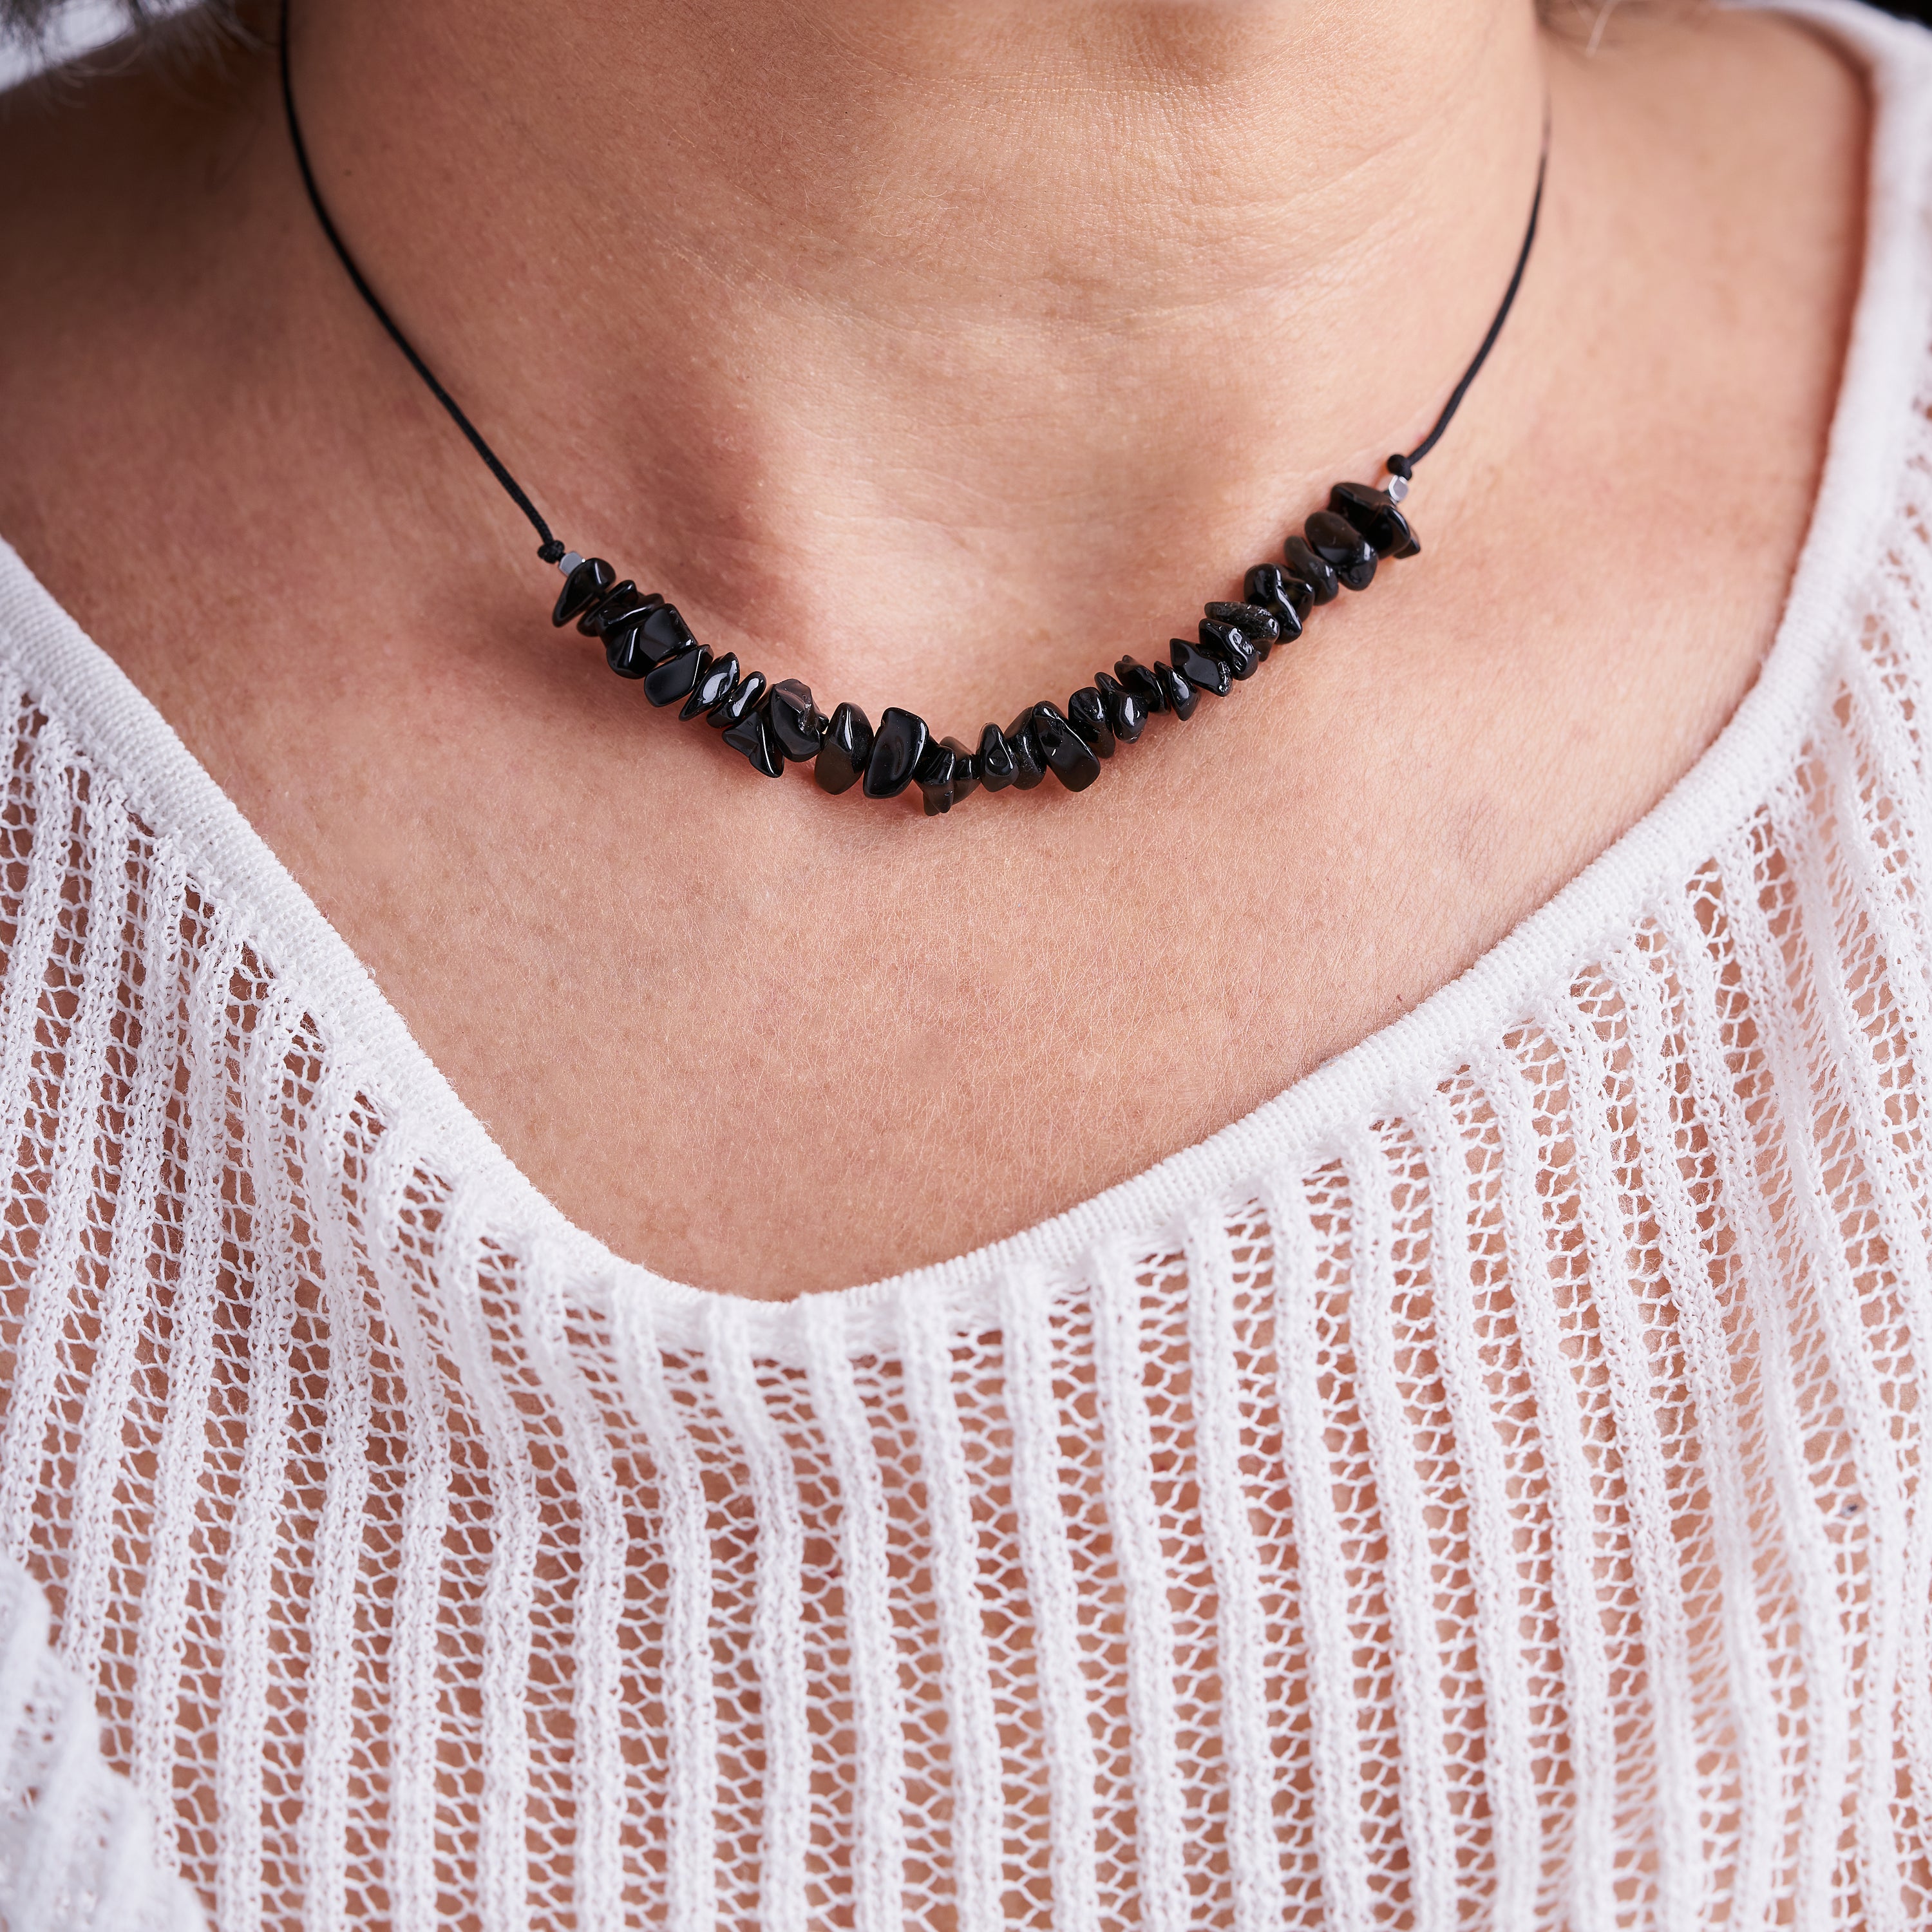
pixel 138 752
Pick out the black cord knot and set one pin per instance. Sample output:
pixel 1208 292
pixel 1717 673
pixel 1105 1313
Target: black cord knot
pixel 550 551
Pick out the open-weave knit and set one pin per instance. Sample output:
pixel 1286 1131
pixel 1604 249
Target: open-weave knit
pixel 1479 1489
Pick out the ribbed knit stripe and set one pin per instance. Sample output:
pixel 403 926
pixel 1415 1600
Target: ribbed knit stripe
pixel 690 1714
pixel 967 1683
pixel 777 1647
pixel 879 1770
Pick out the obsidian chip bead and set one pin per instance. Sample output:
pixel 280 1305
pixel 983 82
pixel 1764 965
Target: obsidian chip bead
pixel 624 652
pixel 844 750
pixel 947 776
pixel 1323 586
pixel 587 585
pixel 965 769
pixel 1029 761
pixel 673 680
pixel 753 735
pixel 1262 628
pixel 896 750
pixel 995 760
pixel 1204 672
pixel 663 632
pixel 1341 547
pixel 1086 712
pixel 1374 513
pixel 1126 713
pixel 1230 645
pixel 1068 756
pixel 626 600
pixel 1285 599
pixel 737 703
pixel 1180 696
pixel 715 680
pixel 798 723
pixel 1143 681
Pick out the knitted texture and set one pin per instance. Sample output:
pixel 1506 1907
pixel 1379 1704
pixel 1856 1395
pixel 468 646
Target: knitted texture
pixel 1481 1490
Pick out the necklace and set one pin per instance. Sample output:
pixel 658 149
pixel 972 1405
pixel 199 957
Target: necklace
pixel 645 638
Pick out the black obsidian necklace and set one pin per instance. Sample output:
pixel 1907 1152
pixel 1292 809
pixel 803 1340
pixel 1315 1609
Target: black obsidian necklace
pixel 772 724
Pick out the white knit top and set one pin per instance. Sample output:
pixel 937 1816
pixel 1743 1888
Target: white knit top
pixel 1479 1489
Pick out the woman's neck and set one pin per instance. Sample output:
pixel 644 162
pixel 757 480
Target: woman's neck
pixel 831 313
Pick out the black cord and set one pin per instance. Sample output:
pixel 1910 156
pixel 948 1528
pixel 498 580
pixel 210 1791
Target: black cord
pixel 1404 466
pixel 549 549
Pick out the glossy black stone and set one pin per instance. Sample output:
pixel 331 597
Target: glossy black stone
pixel 1143 681
pixel 798 723
pixel 1029 761
pixel 626 600
pixel 965 769
pixel 673 681
pixel 1374 513
pixel 1203 672
pixel 1230 645
pixel 588 583
pixel 664 633
pixel 738 704
pixel 1180 697
pixel 1285 599
pixel 843 752
pixel 1126 713
pixel 1068 756
pixel 997 768
pixel 753 735
pixel 896 750
pixel 624 652
pixel 1323 586
pixel 947 776
pixel 1086 712
pixel 1339 544
pixel 715 680
pixel 1262 628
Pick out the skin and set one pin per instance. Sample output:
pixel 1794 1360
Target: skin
pixel 934 353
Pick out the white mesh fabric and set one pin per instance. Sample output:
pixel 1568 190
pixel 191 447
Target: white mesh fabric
pixel 1480 1491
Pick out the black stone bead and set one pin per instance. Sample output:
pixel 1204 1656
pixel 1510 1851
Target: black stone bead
pixel 997 768
pixel 1144 682
pixel 1180 696
pixel 896 751
pixel 663 632
pixel 715 680
pixel 844 750
pixel 1126 713
pixel 1285 599
pixel 624 652
pixel 1339 544
pixel 1262 628
pixel 1029 761
pixel 738 704
pixel 753 735
pixel 588 583
pixel 799 722
pixel 1230 645
pixel 1323 586
pixel 674 680
pixel 946 776
pixel 1086 712
pixel 1374 513
pixel 1203 672
pixel 626 602
pixel 1068 756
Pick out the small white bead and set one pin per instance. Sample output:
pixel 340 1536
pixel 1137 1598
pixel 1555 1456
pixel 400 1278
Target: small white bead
pixel 568 562
pixel 1397 489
